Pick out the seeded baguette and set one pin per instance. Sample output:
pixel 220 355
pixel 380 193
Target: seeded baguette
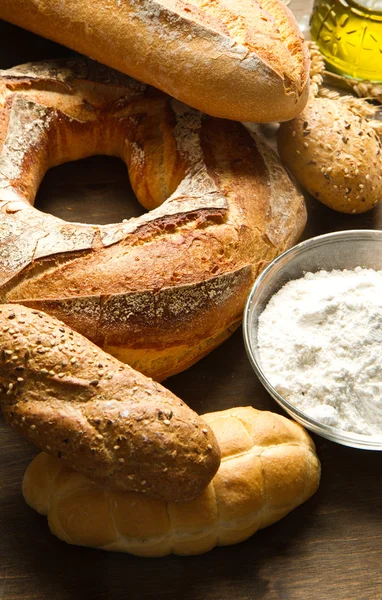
pixel 244 60
pixel 269 467
pixel 106 420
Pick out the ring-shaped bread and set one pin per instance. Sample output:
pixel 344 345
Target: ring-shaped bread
pixel 161 290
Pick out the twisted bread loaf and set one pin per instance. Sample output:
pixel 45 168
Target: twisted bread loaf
pixel 162 290
pixel 105 419
pixel 268 468
pixel 238 60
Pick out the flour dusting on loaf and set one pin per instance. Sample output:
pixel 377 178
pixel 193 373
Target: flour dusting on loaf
pixel 245 61
pixel 161 290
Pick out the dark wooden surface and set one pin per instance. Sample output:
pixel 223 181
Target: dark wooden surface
pixel 328 549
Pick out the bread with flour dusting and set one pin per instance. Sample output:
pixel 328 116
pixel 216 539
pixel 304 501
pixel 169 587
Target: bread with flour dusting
pixel 238 60
pixel 161 290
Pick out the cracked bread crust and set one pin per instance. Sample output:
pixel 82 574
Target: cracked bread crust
pixel 163 289
pixel 245 61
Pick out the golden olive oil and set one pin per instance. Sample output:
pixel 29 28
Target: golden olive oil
pixel 349 35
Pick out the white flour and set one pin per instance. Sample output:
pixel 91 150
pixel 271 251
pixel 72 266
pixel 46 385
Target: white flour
pixel 320 345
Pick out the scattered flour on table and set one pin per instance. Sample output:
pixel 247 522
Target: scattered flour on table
pixel 320 345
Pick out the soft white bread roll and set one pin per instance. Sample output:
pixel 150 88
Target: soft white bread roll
pixel 238 60
pixel 268 468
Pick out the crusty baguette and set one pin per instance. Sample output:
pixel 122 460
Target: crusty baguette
pixel 238 60
pixel 162 290
pixel 105 419
pixel 269 467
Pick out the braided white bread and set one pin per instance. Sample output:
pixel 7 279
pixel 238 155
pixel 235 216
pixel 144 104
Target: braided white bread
pixel 268 468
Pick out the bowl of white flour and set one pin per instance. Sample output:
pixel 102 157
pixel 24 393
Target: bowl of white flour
pixel 313 334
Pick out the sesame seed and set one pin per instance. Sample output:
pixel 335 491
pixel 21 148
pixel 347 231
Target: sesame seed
pixel 166 422
pixel 121 460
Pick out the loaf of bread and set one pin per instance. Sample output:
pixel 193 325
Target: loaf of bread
pixel 332 148
pixel 238 60
pixel 162 290
pixel 269 467
pixel 335 154
pixel 103 418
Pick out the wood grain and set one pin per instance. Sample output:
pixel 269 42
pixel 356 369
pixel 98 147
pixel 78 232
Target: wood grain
pixel 328 549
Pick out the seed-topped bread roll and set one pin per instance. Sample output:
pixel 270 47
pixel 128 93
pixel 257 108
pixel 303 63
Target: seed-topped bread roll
pixel 103 418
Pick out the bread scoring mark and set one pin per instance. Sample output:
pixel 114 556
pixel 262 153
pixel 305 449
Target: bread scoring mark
pixel 144 315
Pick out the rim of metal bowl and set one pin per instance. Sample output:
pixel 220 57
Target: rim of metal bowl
pixel 354 440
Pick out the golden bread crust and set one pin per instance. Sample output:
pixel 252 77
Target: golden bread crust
pixel 104 419
pixel 268 468
pixel 163 289
pixel 245 60
pixel 335 154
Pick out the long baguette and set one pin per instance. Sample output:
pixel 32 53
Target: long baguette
pixel 238 60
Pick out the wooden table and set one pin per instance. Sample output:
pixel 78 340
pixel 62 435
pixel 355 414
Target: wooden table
pixel 328 549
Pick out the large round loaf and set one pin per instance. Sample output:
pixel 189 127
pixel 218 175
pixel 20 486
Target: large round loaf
pixel 238 60
pixel 161 290
pixel 269 467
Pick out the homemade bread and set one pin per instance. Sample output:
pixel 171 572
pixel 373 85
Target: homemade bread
pixel 103 418
pixel 268 468
pixel 161 290
pixel 237 60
